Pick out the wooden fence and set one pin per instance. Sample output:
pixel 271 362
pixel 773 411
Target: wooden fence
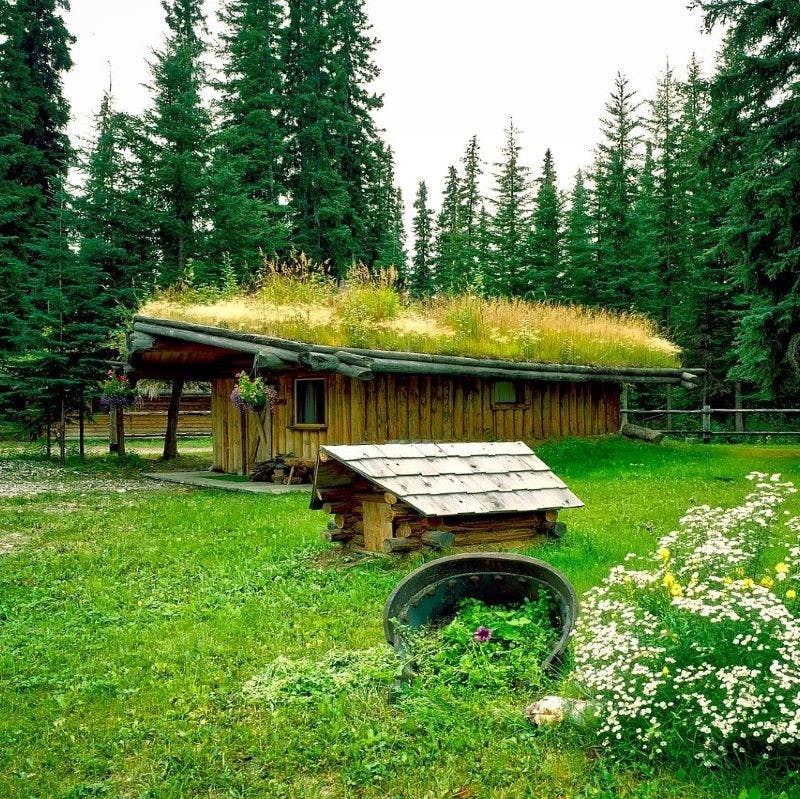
pixel 706 413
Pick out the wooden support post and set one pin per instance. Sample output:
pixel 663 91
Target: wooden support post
pixel 669 407
pixel 706 424
pixel 623 405
pixel 120 426
pixel 171 433
pixel 737 403
pixel 113 444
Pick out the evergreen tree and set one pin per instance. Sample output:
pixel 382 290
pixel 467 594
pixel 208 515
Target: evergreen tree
pixel 507 268
pixel 248 180
pixel 448 243
pixel 615 177
pixel 34 149
pixel 647 232
pixel 469 212
pixel 545 279
pixel 760 85
pixel 422 281
pixel 175 160
pixel 113 223
pixel 705 329
pixel 578 246
pixel 665 133
pixel 333 145
pixel 387 234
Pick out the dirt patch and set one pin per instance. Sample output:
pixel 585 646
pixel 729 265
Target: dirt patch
pixel 11 541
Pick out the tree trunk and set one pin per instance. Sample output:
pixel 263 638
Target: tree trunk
pixel 62 428
pixel 82 427
pixel 171 435
pixel 120 427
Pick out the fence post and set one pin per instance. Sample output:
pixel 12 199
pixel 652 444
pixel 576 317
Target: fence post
pixel 737 403
pixel 623 405
pixel 706 423
pixel 669 407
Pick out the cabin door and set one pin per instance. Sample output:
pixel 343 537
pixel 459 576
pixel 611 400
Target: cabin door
pixel 260 438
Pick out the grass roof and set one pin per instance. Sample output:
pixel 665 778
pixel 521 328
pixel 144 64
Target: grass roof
pixel 374 315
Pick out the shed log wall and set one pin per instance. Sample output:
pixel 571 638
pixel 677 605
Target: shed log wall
pixel 407 407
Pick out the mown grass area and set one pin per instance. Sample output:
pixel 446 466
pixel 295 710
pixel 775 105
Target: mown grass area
pixel 130 622
pixel 306 306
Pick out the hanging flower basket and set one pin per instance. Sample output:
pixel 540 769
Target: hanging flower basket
pixel 251 394
pixel 116 391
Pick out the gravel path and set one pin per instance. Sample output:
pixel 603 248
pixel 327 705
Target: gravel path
pixel 27 479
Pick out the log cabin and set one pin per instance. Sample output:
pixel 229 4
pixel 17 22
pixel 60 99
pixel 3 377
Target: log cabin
pixel 332 395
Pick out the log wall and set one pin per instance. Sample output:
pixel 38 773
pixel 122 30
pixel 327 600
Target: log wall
pixel 408 408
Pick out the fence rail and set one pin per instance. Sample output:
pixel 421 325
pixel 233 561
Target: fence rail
pixel 705 413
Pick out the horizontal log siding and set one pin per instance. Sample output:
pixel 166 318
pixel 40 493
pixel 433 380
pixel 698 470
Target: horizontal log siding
pixel 403 407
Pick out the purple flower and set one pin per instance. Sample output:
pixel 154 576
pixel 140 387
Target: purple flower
pixel 237 399
pixel 482 635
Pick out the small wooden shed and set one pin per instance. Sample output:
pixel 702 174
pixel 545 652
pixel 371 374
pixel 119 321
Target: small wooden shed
pixel 401 497
pixel 347 395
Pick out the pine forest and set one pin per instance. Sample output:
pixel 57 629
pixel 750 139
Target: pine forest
pixel 687 211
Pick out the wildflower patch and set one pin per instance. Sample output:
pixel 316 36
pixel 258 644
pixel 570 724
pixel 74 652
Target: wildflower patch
pixel 696 649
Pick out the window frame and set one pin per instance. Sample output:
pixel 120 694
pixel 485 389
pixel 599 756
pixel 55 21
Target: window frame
pixel 519 393
pixel 309 425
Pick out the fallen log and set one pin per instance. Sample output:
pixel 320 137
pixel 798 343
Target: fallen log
pixel 642 433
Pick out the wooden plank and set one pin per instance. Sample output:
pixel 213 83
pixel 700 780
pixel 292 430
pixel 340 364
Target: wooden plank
pixel 382 408
pixel 458 426
pixel 413 408
pixel 424 395
pixel 488 430
pixel 447 408
pixel 575 412
pixel 392 429
pixel 377 525
pixel 401 409
pixel 518 424
pixel 346 435
pixel 371 411
pixel 559 415
pixel 437 408
pixel 357 412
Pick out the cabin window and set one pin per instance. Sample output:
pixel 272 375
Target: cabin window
pixel 309 401
pixel 506 392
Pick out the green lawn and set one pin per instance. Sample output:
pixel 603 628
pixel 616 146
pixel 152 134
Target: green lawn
pixel 129 622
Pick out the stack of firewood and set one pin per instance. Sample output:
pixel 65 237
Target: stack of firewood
pixel 282 470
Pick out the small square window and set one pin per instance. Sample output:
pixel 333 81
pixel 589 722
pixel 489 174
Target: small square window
pixel 505 392
pixel 309 401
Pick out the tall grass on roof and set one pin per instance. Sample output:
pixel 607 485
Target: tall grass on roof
pixel 303 304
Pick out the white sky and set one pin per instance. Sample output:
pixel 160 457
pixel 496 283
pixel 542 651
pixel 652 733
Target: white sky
pixel 450 69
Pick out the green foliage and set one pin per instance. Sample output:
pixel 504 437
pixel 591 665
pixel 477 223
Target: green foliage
pixel 545 248
pixel 422 280
pixel 487 648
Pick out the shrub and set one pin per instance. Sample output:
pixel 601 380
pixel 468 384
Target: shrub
pixel 696 649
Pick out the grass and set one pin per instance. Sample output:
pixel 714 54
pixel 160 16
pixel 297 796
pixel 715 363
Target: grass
pixel 305 306
pixel 129 624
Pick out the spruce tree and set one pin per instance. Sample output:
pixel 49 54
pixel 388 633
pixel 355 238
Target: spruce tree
pixel 178 128
pixel 760 85
pixel 386 230
pixel 579 250
pixel 448 242
pixel 665 135
pixel 248 173
pixel 34 149
pixel 506 271
pixel 422 283
pixel 647 232
pixel 332 142
pixel 114 226
pixel 615 176
pixel 706 327
pixel 470 203
pixel 544 279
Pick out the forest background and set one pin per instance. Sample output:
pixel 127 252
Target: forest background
pixel 688 211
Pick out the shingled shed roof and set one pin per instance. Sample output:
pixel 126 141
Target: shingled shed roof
pixel 453 479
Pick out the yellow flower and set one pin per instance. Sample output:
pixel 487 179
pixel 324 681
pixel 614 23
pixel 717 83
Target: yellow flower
pixel 791 594
pixel 781 568
pixel 675 590
pixel 767 582
pixel 727 581
pixel 665 671
pixel 663 553
pixel 669 580
pixel 739 571
pixel 747 583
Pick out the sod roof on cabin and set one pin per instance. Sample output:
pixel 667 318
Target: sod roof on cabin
pixel 367 316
